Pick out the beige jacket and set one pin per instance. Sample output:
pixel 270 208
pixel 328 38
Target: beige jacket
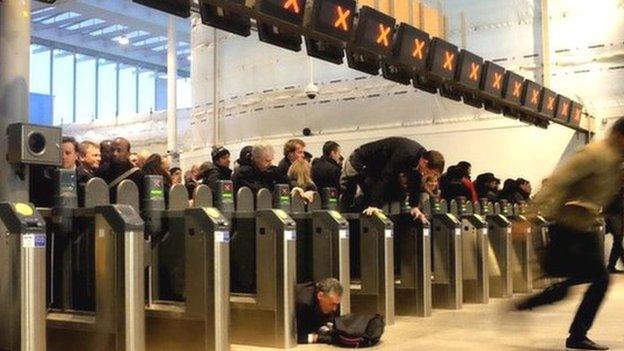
pixel 576 192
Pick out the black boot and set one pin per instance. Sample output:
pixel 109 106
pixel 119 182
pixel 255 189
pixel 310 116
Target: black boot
pixel 550 295
pixel 576 343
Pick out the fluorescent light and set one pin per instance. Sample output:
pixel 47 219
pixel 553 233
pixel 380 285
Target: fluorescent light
pixel 123 40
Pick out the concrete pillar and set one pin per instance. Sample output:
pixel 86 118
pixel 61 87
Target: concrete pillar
pixel 172 92
pixel 14 73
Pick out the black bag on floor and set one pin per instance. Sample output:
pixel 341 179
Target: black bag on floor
pixel 358 330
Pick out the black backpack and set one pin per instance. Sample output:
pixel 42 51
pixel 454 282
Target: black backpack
pixel 358 330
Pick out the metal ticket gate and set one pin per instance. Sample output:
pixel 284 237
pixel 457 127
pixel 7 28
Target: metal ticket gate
pixel 499 264
pixel 521 242
pixel 22 277
pixel 446 258
pixel 263 243
pixel 371 243
pixel 196 317
pixel 539 239
pixel 412 248
pixel 322 241
pixel 475 252
pixel 118 322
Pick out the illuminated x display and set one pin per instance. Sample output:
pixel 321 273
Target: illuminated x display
pixel 333 18
pixel 375 31
pixel 531 95
pixel 469 69
pixel 512 91
pixel 576 113
pixel 412 48
pixel 444 59
pixel 563 108
pixel 287 10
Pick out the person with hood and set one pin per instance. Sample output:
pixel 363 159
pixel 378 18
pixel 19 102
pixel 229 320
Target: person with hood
pixel 244 157
pixel 326 169
pixel 466 169
pixel 453 186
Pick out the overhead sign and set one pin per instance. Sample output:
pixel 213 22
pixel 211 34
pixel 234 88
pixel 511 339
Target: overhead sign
pixel 564 105
pixel 512 88
pixel 374 32
pixel 548 103
pixel 412 47
pixel 218 17
pixel 287 10
pixel 181 8
pixel 469 69
pixel 576 114
pixel 531 95
pixel 333 18
pixel 492 79
pixel 443 59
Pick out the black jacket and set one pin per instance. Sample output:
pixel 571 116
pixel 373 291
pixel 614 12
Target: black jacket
pixel 255 180
pixel 383 160
pixel 283 166
pixel 326 173
pixel 214 175
pixel 455 188
pixel 116 169
pixel 309 316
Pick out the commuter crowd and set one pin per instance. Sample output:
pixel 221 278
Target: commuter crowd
pixel 400 169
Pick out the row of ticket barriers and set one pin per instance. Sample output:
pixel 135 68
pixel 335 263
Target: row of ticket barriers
pixel 159 272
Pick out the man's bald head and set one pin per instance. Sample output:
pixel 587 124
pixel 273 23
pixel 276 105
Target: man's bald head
pixel 121 149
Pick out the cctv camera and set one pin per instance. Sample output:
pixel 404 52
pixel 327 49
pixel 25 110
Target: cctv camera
pixel 312 91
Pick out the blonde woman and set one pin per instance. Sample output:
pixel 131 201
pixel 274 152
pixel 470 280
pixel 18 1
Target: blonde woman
pixel 300 179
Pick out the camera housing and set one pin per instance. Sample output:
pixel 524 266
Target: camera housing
pixel 34 144
pixel 312 91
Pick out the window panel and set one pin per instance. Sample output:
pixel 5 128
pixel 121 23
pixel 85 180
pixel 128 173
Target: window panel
pixel 127 90
pixel 147 91
pixel 63 86
pixel 85 88
pixel 107 89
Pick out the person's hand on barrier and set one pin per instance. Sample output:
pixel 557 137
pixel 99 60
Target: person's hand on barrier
pixel 325 334
pixel 372 211
pixel 308 196
pixel 417 214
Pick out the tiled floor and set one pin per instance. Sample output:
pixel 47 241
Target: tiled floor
pixel 493 327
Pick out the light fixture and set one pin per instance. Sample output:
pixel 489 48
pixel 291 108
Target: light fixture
pixel 189 57
pixel 123 40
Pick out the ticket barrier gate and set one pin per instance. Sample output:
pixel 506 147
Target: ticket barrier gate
pixel 537 246
pixel 22 278
pixel 475 252
pixel 521 243
pixel 322 240
pixel 263 252
pixel 412 248
pixel 371 250
pixel 118 320
pixel 499 264
pixel 446 258
pixel 195 314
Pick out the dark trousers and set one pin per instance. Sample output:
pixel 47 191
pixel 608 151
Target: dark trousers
pixel 614 226
pixel 578 257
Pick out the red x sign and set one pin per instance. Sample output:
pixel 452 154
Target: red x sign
pixel 384 32
pixel 474 71
pixel 498 78
pixel 419 48
pixel 516 89
pixel 551 103
pixel 565 109
pixel 448 61
pixel 343 15
pixel 577 115
pixel 292 5
pixel 535 96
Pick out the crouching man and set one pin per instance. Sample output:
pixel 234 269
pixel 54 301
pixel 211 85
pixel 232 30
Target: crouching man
pixel 317 304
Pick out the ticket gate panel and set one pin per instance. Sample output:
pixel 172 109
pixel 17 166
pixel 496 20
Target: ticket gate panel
pixel 475 248
pixel 447 285
pixel 22 255
pixel 330 247
pixel 413 292
pixel 376 294
pixel 119 320
pixel 521 243
pixel 202 321
pixel 539 242
pixel 267 318
pixel 500 267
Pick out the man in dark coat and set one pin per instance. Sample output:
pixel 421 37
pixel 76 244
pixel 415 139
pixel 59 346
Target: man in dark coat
pixel 211 173
pixel 316 305
pixel 375 167
pixel 120 169
pixel 326 169
pixel 260 173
